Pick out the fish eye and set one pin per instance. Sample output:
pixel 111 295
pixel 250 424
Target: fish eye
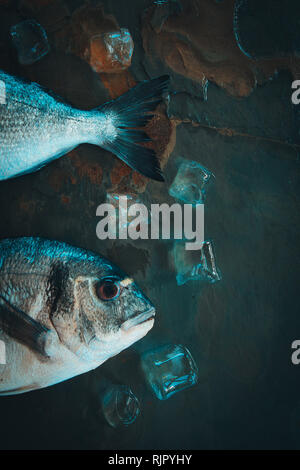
pixel 108 289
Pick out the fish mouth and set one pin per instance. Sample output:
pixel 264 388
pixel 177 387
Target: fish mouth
pixel 139 319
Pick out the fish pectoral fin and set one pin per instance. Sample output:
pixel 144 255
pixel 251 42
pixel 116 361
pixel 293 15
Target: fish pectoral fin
pixel 24 329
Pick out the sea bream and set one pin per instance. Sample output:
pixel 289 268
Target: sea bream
pixel 37 126
pixel 63 312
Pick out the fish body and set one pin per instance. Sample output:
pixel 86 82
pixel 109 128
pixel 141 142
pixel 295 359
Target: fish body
pixel 37 127
pixel 63 312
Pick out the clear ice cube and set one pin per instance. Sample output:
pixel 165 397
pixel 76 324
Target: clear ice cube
pixel 119 45
pixel 195 265
pixel 30 40
pixel 112 51
pixel 190 183
pixel 120 406
pixel 169 369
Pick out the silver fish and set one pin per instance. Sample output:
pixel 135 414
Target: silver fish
pixel 63 312
pixel 37 127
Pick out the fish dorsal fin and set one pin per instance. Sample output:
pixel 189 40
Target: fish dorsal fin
pixel 21 327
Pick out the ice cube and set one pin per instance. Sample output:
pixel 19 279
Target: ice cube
pixel 190 183
pixel 120 406
pixel 169 369
pixel 111 51
pixel 30 40
pixel 195 265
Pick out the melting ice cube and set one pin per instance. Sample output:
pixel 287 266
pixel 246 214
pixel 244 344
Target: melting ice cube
pixel 169 369
pixel 195 265
pixel 111 51
pixel 120 406
pixel 190 183
pixel 119 45
pixel 30 40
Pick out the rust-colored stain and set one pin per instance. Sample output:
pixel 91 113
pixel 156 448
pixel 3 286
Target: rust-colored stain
pixel 65 199
pixel 200 44
pixel 227 132
pixel 92 171
pixel 117 83
pixel 119 172
pixel 162 131
pixel 59 178
pixel 27 206
pixel 139 182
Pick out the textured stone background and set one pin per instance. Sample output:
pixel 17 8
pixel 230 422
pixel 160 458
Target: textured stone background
pixel 247 133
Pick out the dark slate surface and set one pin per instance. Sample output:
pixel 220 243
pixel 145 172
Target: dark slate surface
pixel 239 330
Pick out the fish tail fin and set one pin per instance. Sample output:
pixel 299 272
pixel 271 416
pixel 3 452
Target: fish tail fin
pixel 126 113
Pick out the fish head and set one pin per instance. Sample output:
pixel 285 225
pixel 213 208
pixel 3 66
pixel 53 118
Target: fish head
pixel 110 313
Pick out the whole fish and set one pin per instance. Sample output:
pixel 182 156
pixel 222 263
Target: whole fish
pixel 36 126
pixel 63 312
